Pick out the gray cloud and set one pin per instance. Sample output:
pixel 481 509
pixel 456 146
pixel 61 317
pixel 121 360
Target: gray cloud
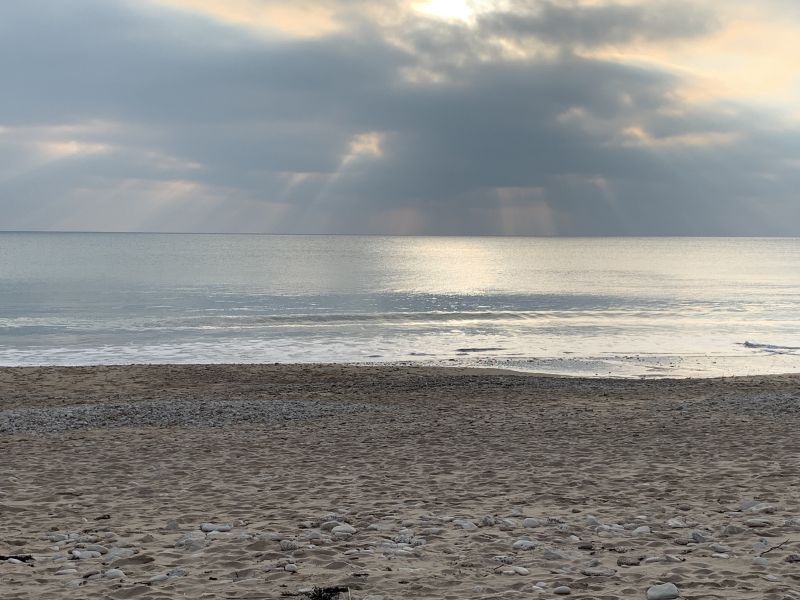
pixel 260 133
pixel 579 25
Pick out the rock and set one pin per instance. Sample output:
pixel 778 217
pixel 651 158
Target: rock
pixel 328 525
pixel 592 521
pixel 530 523
pixel 465 524
pixel 760 508
pixel 562 590
pixel 699 537
pixel 172 525
pixel 67 572
pixel 84 554
pixel 56 537
pixel 598 572
pixel 757 523
pixel 290 568
pixel 288 545
pixel 507 524
pixel 760 561
pixel 114 574
pixel 720 555
pixel 97 548
pixel 677 523
pixel 343 531
pixel 118 553
pixel 209 527
pixel 504 559
pixel 732 529
pixel 194 540
pixel 665 591
pixel 524 545
pixel 550 554
pixel 721 549
pixel 641 530
pixel 793 558
pixel 629 561
pixel 158 578
pixel 521 571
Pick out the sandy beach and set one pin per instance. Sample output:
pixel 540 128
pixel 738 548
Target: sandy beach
pixel 395 482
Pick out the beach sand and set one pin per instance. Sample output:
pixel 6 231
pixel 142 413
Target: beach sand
pixel 395 482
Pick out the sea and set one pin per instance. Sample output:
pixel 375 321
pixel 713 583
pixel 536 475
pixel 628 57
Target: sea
pixel 619 307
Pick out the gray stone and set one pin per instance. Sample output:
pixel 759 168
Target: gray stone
pixel 598 572
pixel 757 523
pixel 343 531
pixel 524 545
pixel 209 527
pixel 114 574
pixel 530 522
pixel 84 554
pixel 562 590
pixel 665 591
pixel 194 540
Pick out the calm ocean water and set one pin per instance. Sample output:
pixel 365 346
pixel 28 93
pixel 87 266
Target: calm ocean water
pixel 596 306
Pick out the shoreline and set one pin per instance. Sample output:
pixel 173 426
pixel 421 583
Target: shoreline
pixel 263 481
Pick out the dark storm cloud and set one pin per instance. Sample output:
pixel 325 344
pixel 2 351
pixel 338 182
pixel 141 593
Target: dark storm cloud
pixel 471 140
pixel 596 25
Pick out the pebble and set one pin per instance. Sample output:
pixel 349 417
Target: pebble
pixel 343 531
pixel 209 527
pixel 530 522
pixel 194 540
pixel 114 574
pixel 521 571
pixel 665 591
pixel 290 568
pixel 760 561
pixel 562 590
pixel 67 572
pixel 598 572
pixel 288 545
pixel 465 524
pixel 700 537
pixel 84 554
pixel 524 545
pixel 118 553
pixel 641 530
pixel 677 523
pixel 757 523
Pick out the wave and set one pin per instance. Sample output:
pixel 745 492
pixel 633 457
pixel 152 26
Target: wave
pixel 772 348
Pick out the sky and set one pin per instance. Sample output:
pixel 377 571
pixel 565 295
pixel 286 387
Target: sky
pixel 433 117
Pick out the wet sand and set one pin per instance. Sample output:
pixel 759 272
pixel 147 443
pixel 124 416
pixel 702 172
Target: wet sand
pixel 395 482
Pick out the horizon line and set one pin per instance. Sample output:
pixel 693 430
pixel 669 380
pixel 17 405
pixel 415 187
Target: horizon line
pixel 398 235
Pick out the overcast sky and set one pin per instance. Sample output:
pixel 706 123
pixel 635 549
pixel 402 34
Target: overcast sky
pixel 539 117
